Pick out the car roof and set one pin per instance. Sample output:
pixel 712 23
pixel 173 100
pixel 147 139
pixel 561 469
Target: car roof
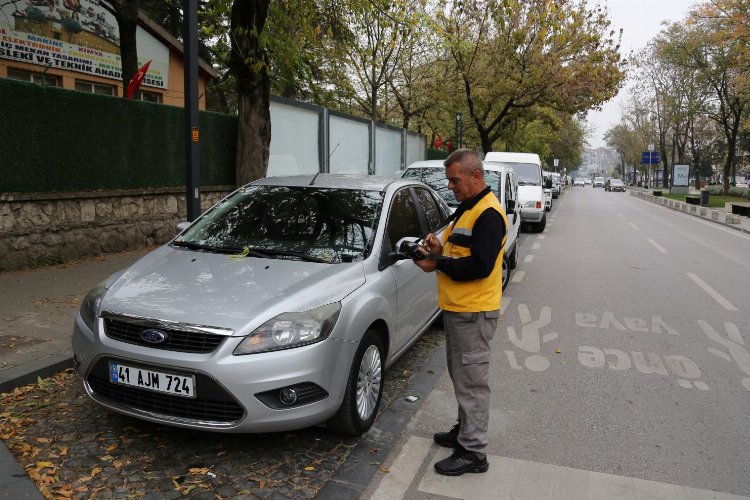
pixel 340 181
pixel 493 166
pixel 513 157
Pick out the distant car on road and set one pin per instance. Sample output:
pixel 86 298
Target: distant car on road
pixel 587 181
pixel 598 182
pixel 578 182
pixel 614 185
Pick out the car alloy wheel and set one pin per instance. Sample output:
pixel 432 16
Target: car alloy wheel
pixel 364 388
pixel 368 382
pixel 506 271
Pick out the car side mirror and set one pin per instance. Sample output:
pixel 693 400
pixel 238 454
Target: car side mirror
pixel 403 249
pixel 181 226
pixel 511 206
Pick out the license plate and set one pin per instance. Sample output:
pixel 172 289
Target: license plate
pixel 169 383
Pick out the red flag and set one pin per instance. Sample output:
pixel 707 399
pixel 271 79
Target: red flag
pixel 135 82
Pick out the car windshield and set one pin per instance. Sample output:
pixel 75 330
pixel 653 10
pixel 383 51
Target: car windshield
pixel 528 174
pixel 435 178
pixel 616 181
pixel 308 223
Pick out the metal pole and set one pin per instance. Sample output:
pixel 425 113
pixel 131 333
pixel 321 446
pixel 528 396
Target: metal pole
pixel 192 135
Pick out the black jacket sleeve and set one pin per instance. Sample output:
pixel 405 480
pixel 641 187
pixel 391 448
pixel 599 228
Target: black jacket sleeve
pixel 486 242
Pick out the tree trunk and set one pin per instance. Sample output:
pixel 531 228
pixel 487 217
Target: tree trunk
pixel 127 22
pixel 249 63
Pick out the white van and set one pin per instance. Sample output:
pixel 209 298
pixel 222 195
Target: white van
pixel 501 178
pixel 528 170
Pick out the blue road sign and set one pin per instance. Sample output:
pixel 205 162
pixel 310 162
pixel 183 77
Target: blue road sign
pixel 650 158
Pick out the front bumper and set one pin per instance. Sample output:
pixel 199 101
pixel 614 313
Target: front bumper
pixel 532 214
pixel 227 386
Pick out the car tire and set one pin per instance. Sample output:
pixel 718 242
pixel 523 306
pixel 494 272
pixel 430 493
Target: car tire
pixel 539 226
pixel 506 271
pixel 513 257
pixel 364 388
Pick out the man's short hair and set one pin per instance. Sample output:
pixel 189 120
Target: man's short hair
pixel 467 158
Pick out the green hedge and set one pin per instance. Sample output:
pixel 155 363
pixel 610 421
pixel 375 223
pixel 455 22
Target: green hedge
pixel 718 189
pixel 436 154
pixel 56 140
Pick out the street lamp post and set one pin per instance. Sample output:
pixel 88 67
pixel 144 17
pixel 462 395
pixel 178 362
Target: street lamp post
pixel 459 122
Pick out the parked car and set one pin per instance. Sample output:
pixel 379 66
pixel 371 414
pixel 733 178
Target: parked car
pixel 528 168
pixel 556 184
pixel 578 182
pixel 501 178
pixel 587 181
pixel 614 185
pixel 598 182
pixel 277 309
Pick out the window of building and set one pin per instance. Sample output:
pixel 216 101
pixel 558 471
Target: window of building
pixel 145 95
pixel 96 88
pixel 34 77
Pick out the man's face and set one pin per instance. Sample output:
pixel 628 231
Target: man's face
pixel 464 186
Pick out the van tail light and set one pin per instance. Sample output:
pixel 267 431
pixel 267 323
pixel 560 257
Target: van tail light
pixel 538 204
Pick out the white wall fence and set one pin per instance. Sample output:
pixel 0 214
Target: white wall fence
pixel 306 139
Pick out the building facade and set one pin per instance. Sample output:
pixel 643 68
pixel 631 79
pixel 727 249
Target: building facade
pixel 75 44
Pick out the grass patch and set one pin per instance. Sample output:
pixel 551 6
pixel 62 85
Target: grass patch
pixel 714 201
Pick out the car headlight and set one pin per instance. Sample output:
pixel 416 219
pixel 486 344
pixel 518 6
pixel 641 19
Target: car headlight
pixel 90 305
pixel 291 329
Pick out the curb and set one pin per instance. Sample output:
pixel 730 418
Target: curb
pixel 703 213
pixel 31 371
pixel 16 483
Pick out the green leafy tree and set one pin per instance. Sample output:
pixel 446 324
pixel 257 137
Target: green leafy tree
pixel 511 56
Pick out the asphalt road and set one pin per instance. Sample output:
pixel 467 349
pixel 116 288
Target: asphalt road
pixel 621 360
pixel 650 308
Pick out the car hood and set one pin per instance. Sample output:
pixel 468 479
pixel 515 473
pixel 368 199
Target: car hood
pixel 529 193
pixel 215 290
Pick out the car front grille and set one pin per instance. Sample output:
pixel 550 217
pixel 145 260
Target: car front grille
pixel 193 342
pixel 213 403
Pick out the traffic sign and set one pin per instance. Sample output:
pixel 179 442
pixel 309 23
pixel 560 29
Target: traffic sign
pixel 650 158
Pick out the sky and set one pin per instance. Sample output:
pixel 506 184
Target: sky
pixel 641 21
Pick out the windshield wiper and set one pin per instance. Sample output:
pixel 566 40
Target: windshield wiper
pixel 228 250
pixel 271 252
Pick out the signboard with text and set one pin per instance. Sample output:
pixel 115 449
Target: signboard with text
pixel 681 173
pixel 650 158
pixel 75 35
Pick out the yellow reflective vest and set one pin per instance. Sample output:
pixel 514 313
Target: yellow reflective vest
pixel 475 295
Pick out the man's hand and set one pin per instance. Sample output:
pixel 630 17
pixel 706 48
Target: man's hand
pixel 435 248
pixel 433 244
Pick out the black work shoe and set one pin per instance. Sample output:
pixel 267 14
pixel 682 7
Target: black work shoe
pixel 448 439
pixel 461 461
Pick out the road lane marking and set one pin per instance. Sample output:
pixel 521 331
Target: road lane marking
pixel 633 226
pixel 528 258
pixel 504 303
pixel 518 276
pixel 404 469
pixel 618 213
pixel 535 246
pixel 713 293
pixel 510 478
pixel 541 237
pixel 657 246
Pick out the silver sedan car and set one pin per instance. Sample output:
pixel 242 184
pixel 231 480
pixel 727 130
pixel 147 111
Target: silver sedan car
pixel 277 309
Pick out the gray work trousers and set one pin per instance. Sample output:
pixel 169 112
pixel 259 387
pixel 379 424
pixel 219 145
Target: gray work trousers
pixel 467 337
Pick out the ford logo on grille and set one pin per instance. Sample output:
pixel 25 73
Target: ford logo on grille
pixel 153 336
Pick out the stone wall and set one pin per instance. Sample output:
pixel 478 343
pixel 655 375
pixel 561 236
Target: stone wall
pixel 55 228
